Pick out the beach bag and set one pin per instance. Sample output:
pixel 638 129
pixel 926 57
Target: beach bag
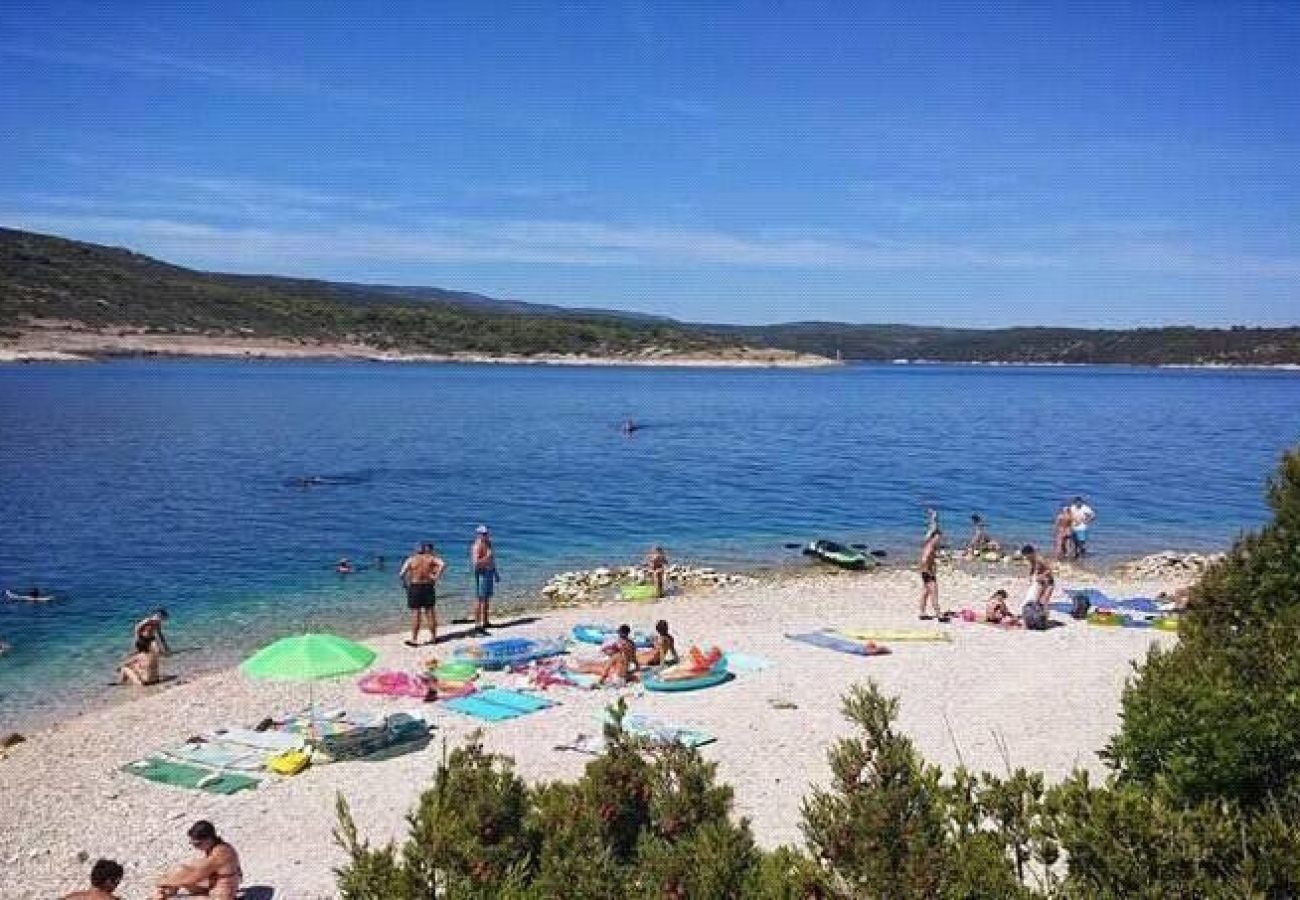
pixel 1034 615
pixel 1079 606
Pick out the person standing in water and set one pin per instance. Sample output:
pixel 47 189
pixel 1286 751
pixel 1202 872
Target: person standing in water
pixel 420 574
pixel 657 563
pixel 1062 539
pixel 1081 516
pixel 483 561
pixel 929 567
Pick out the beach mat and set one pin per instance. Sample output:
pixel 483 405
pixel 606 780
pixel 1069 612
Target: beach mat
pixel 891 635
pixel 218 755
pixel 1099 600
pixel 498 705
pixel 745 664
pixel 161 771
pixel 661 732
pixel 829 641
pixel 270 741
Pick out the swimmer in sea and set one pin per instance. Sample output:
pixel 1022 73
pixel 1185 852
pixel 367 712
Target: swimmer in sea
pixel 344 566
pixel 629 426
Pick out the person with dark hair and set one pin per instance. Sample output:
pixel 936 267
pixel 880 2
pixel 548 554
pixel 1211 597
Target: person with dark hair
pixel 105 876
pixel 151 627
pixel 664 650
pixel 996 611
pixel 420 574
pixel 657 563
pixel 142 667
pixel 622 657
pixel 216 874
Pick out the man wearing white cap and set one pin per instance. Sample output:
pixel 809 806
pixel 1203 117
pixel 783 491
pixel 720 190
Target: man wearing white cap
pixel 484 563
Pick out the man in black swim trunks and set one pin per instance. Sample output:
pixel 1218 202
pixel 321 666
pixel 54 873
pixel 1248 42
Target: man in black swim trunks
pixel 420 574
pixel 929 565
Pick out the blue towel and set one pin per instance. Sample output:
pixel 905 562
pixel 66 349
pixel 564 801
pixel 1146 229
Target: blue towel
pixel 743 663
pixel 481 709
pixel 523 703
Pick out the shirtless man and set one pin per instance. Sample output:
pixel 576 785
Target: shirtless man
pixel 657 563
pixel 105 876
pixel 929 570
pixel 420 574
pixel 215 874
pixel 1062 538
pixel 622 660
pixel 484 562
pixel 151 628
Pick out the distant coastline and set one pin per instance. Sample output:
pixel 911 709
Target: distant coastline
pixel 76 345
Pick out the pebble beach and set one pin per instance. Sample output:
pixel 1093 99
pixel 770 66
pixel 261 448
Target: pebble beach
pixel 987 698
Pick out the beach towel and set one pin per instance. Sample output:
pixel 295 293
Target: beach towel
pixel 269 741
pixel 830 641
pixel 1099 600
pixel 744 664
pixel 893 634
pixel 498 705
pixel 161 771
pixel 661 732
pixel 218 755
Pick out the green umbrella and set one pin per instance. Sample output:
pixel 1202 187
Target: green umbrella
pixel 308 657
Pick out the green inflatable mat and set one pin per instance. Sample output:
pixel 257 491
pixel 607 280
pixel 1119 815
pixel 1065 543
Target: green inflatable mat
pixel 161 771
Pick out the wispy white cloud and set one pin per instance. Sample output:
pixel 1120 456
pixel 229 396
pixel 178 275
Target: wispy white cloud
pixel 155 64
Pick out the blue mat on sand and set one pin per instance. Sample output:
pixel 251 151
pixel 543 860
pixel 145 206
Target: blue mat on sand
pixel 830 641
pixel 498 705
pixel 1099 600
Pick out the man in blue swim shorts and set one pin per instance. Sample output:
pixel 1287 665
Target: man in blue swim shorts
pixel 483 561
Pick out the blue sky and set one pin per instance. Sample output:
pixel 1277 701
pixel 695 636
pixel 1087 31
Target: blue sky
pixel 967 163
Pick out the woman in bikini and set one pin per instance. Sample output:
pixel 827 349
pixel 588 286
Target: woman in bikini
pixel 664 650
pixel 142 667
pixel 216 874
pixel 1042 582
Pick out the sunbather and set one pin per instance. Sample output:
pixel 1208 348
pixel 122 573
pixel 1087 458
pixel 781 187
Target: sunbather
pixel 152 627
pixel 664 650
pixel 215 874
pixel 142 667
pixel 105 876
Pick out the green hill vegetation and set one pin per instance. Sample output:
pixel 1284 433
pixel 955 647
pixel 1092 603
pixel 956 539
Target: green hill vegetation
pixel 1142 346
pixel 52 279
pixel 1203 799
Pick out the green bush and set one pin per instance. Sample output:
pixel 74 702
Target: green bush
pixel 1218 716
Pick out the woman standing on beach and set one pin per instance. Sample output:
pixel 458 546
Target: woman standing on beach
pixel 1062 530
pixel 657 563
pixel 1042 583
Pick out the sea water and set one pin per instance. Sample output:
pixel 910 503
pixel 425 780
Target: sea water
pixel 131 485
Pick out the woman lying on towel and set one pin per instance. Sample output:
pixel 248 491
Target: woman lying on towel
pixel 215 874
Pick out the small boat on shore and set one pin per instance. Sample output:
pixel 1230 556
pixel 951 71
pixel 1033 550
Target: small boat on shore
pixel 840 555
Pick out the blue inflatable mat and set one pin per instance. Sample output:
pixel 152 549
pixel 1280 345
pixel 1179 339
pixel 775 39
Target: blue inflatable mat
pixel 598 634
pixel 829 641
pixel 652 682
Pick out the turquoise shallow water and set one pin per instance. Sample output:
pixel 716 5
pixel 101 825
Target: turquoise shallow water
pixel 131 484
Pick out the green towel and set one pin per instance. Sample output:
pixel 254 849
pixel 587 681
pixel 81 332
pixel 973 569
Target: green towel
pixel 176 774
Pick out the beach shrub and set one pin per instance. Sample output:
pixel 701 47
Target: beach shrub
pixel 1217 717
pixel 640 823
pixel 891 826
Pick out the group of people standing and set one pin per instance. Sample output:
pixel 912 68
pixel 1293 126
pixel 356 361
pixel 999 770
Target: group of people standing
pixel 421 572
pixel 1070 539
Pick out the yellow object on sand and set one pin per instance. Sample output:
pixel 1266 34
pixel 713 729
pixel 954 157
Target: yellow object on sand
pixel 894 634
pixel 290 762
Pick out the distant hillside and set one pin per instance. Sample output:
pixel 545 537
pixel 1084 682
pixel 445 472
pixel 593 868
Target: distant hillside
pixel 50 278
pixel 1143 346
pixel 53 279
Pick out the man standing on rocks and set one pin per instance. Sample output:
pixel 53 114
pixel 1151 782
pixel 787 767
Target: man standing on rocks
pixel 484 562
pixel 420 574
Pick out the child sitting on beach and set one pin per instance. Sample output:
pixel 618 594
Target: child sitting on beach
pixel 997 612
pixel 142 667
pixel 664 650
